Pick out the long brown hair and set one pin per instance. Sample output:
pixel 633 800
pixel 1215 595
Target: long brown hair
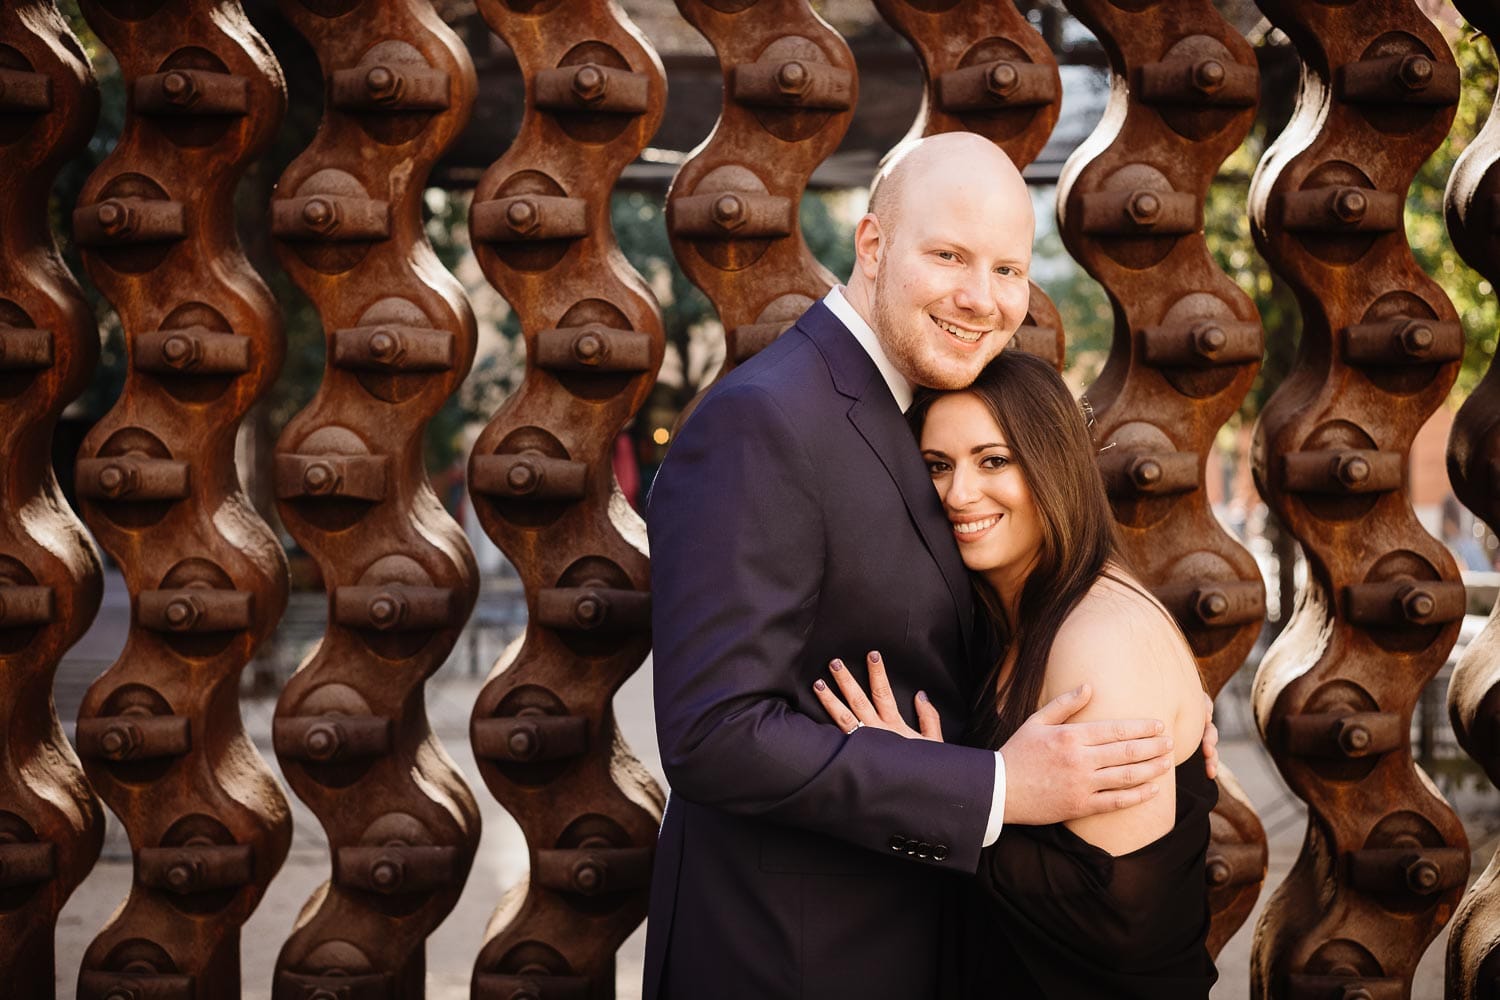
pixel 1050 441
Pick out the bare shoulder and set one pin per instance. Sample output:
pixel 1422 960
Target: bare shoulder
pixel 1123 644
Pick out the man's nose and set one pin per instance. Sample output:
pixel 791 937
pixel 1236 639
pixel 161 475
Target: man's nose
pixel 976 293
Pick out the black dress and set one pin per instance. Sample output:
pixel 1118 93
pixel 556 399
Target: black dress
pixel 1055 917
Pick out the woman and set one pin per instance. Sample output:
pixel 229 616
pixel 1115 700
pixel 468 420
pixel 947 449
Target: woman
pixel 1112 905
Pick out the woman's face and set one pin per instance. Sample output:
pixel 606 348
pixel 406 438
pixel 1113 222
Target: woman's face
pixel 995 520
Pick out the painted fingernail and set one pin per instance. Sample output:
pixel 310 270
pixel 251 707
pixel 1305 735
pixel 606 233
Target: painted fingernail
pixel 819 685
pixel 874 656
pixel 836 665
pixel 922 697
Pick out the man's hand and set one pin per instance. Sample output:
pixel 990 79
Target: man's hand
pixel 1210 741
pixel 1057 771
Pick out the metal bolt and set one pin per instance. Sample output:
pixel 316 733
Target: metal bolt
pixel 590 83
pixel 181 876
pixel 1417 604
pixel 114 218
pixel 1354 739
pixel 179 88
pixel 729 212
pixel 385 610
pixel 121 993
pixel 383 84
pixel 589 610
pixel 523 744
pixel 384 345
pixel 589 348
pixel 323 741
pixel 114 480
pixel 1146 472
pixel 1423 876
pixel 318 213
pixel 522 216
pixel 1350 205
pixel 1352 470
pixel 1212 605
pixel 1357 993
pixel 1415 72
pixel 319 478
pixel 1218 872
pixel 116 741
pixel 1144 208
pixel 1209 340
pixel 792 79
pixel 1209 75
pixel 523 477
pixel 179 351
pixel 1417 339
pixel 182 614
pixel 1002 79
pixel 386 874
pixel 589 875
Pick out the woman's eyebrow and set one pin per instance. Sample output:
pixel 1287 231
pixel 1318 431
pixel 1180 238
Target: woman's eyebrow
pixel 986 447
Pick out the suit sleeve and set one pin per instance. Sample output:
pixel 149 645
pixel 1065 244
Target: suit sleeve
pixel 738 552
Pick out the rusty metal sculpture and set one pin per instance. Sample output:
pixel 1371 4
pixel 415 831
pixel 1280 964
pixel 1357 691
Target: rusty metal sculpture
pixel 542 482
pixel 1474 470
pixel 351 727
pixel 1385 859
pixel 160 731
pixel 1186 348
pixel 789 92
pixel 987 70
pixel 51 825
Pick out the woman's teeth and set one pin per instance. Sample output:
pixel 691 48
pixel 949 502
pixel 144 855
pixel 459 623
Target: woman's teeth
pixel 973 527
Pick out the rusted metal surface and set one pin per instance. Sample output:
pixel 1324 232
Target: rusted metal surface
pixel 160 731
pixel 987 70
pixel 542 481
pixel 1473 965
pixel 1385 859
pixel 51 825
pixel 789 93
pixel 351 727
pixel 1187 345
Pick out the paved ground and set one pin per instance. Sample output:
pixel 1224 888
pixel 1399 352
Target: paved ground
pixel 501 862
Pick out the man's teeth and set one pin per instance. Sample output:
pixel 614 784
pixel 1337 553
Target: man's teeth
pixel 968 336
pixel 971 527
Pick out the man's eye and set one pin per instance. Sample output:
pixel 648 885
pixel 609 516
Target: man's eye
pixel 947 255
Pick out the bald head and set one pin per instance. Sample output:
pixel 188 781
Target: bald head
pixel 942 257
pixel 916 167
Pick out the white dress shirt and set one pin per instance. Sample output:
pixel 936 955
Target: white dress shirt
pixel 901 389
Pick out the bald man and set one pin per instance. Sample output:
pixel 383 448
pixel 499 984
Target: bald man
pixel 794 522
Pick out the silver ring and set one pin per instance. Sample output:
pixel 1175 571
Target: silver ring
pixel 858 724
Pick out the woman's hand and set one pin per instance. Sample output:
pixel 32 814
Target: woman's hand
pixel 877 711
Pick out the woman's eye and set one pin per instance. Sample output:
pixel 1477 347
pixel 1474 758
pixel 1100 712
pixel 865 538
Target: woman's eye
pixel 936 468
pixel 996 462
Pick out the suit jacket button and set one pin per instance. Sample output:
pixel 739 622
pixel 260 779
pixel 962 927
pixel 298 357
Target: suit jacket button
pixel 898 843
pixel 940 852
pixel 924 849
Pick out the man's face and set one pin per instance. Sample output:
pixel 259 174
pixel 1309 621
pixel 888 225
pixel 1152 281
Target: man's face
pixel 951 286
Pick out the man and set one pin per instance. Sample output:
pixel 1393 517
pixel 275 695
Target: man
pixel 794 522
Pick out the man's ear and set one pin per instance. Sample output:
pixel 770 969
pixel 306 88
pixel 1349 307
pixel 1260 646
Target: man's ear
pixel 869 244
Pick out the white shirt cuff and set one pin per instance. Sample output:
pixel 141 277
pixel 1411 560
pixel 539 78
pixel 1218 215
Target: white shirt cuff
pixel 997 804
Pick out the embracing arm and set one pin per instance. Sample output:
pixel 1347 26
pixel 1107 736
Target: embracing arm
pixel 738 549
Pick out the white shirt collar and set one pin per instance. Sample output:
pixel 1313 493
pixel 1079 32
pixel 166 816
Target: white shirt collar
pixel 899 384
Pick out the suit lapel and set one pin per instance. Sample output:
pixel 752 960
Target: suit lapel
pixel 880 422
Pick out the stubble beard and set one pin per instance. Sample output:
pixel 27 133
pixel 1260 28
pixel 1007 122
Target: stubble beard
pixel 909 350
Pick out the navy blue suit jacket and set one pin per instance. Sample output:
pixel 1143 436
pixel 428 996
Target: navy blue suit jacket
pixel 794 521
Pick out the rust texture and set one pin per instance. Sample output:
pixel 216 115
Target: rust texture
pixel 351 728
pixel 1187 345
pixel 160 731
pixel 51 824
pixel 1385 859
pixel 543 485
pixel 789 93
pixel 987 70
pixel 1473 964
